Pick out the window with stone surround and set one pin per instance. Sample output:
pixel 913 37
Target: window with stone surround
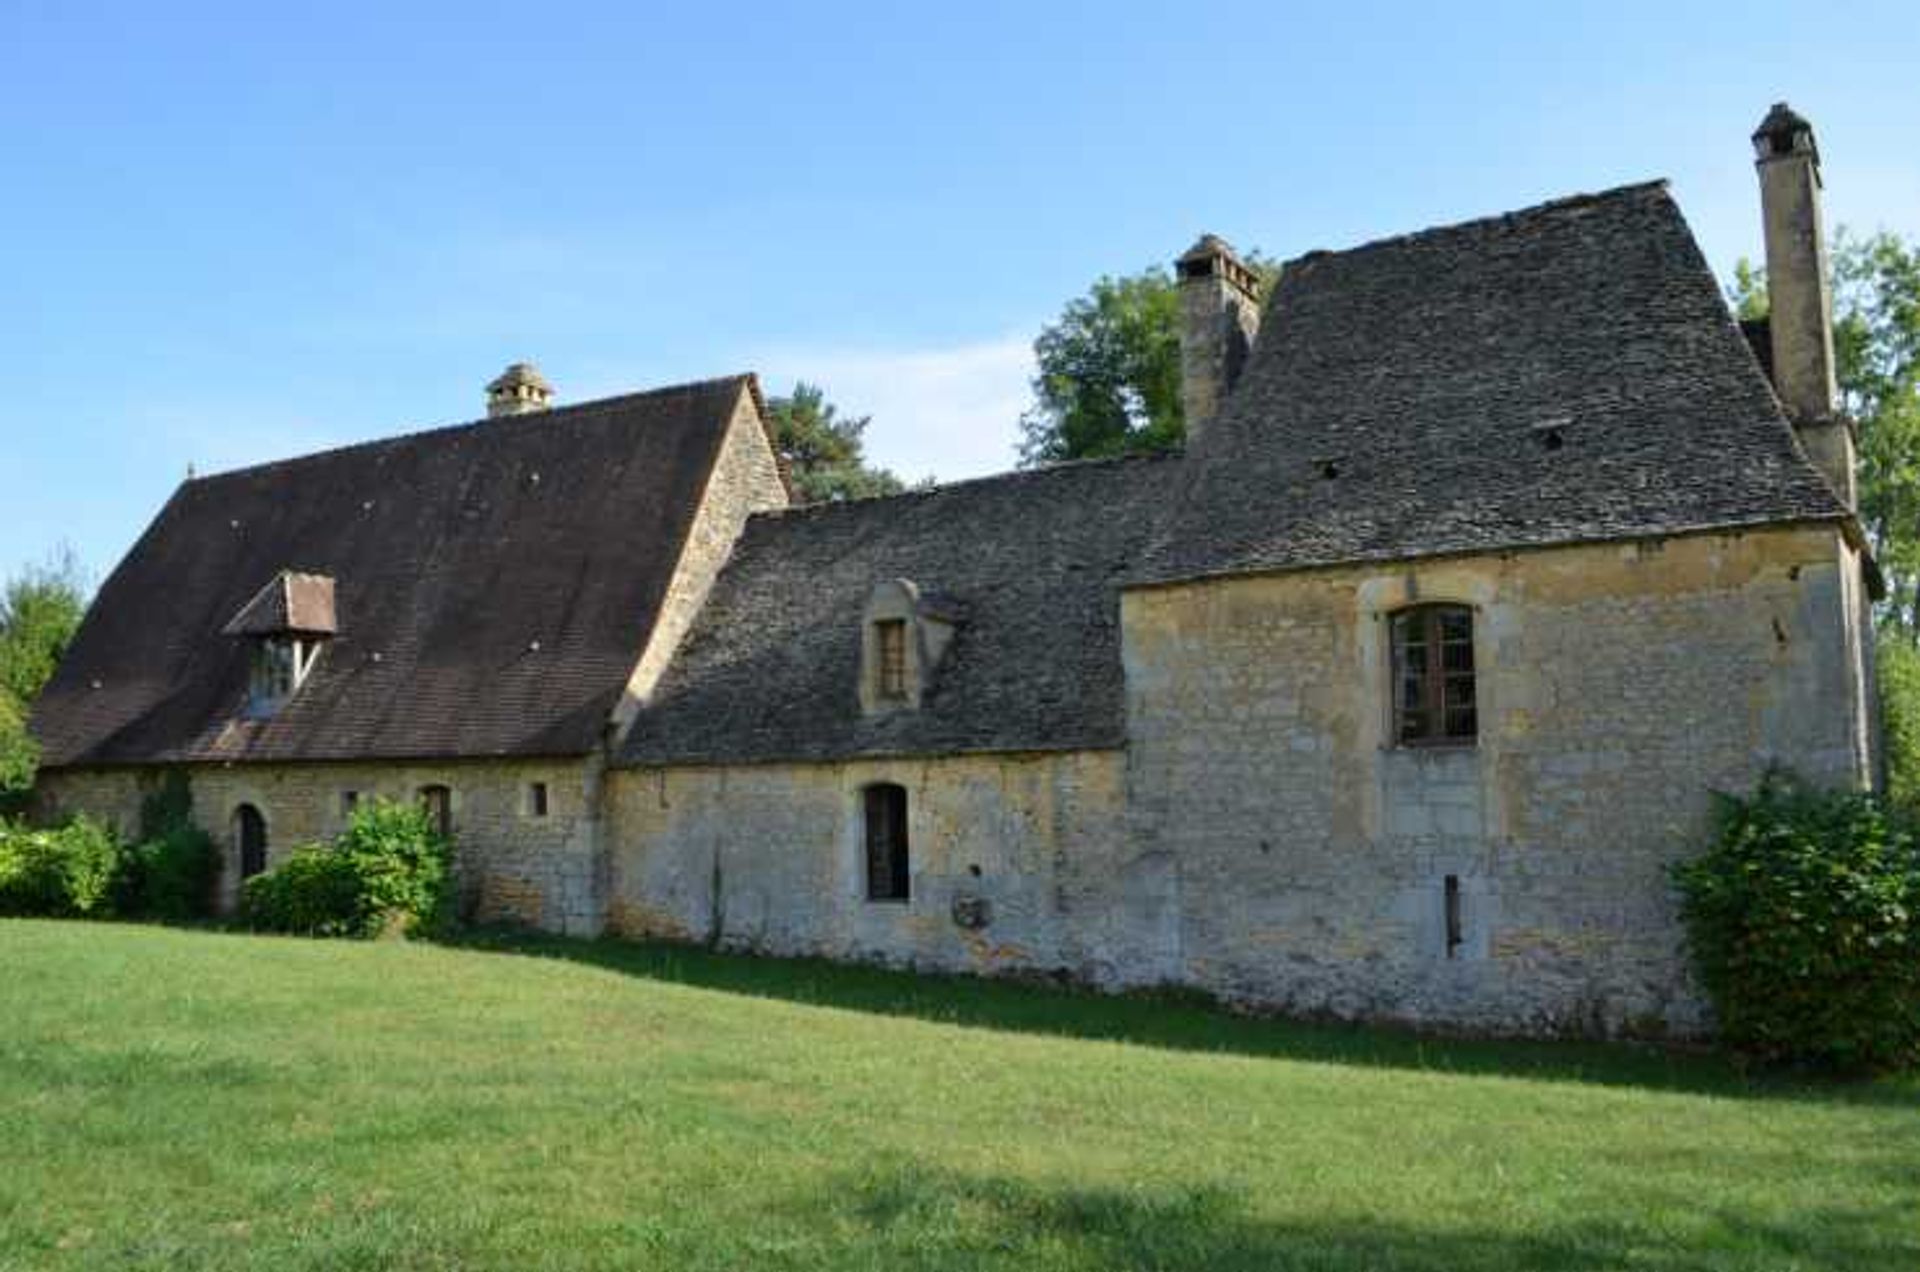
pixel 1434 700
pixel 536 799
pixel 888 873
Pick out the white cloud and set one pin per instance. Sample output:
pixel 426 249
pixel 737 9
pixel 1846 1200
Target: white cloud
pixel 948 413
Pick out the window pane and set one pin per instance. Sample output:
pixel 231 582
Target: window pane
pixel 1456 624
pixel 1413 725
pixel 1459 691
pixel 1457 656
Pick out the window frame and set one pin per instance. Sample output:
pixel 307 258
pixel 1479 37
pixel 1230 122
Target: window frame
pixel 539 800
pixel 1433 676
pixel 890 659
pixel 886 843
pixel 436 799
pixel 250 859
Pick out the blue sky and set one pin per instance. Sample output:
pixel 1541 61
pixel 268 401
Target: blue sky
pixel 231 234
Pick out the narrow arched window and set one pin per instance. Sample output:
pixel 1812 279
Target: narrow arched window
pixel 438 803
pixel 888 873
pixel 1433 680
pixel 250 832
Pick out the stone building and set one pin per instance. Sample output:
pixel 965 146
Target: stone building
pixel 1492 552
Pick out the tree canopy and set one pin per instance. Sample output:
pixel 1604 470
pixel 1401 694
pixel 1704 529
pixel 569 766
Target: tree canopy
pixel 40 609
pixel 1109 370
pixel 825 451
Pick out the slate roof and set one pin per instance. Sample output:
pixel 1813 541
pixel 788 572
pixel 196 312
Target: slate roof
pixel 1028 564
pixel 495 583
pixel 1561 374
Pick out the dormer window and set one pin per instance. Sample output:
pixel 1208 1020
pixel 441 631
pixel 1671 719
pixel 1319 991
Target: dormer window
pixel 905 633
pixel 280 666
pixel 891 636
pixel 286 624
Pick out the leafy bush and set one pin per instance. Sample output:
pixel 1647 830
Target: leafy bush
pixel 314 892
pixel 171 873
pixel 1804 918
pixel 1899 676
pixel 62 872
pixel 389 866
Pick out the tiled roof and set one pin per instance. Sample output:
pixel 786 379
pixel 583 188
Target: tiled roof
pixel 1565 373
pixel 1026 565
pixel 495 583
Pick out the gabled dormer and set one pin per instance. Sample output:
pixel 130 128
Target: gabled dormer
pixel 905 632
pixel 285 625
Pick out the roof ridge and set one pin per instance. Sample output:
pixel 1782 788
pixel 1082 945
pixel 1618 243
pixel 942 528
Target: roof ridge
pixel 592 406
pixel 1528 212
pixel 1010 475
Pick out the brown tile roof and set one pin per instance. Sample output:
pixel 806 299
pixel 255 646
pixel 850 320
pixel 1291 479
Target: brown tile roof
pixel 495 583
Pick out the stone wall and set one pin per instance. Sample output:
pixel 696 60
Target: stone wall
pixel 745 479
pixel 511 864
pixel 771 858
pixel 1617 686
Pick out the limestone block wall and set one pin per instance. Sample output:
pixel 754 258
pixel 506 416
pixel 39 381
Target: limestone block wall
pixel 1617 686
pixel 745 479
pixel 512 864
pixel 771 858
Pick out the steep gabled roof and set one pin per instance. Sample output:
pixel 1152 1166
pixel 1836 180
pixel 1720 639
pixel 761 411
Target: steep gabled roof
pixel 1565 373
pixel 494 584
pixel 1027 565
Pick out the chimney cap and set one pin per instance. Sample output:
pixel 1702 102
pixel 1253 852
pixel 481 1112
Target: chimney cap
pixel 518 390
pixel 1784 132
pixel 517 374
pixel 1212 256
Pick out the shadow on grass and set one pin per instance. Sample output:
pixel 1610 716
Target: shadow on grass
pixel 949 1219
pixel 1178 1021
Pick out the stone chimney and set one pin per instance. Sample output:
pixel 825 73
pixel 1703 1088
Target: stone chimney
pixel 519 390
pixel 1219 315
pixel 1800 293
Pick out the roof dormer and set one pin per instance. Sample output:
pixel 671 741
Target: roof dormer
pixel 286 624
pixel 905 632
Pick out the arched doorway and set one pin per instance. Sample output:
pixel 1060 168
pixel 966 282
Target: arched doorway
pixel 250 832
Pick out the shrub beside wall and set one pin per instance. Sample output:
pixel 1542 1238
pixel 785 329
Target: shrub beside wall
pixel 1804 919
pixel 65 872
pixel 388 869
pixel 171 873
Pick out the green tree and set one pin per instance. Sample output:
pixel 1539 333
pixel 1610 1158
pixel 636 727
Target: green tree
pixel 1109 371
pixel 1876 337
pixel 825 451
pixel 1109 374
pixel 39 611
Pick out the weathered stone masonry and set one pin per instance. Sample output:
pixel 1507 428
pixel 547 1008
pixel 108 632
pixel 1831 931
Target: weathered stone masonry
pixel 1618 685
pixel 1395 695
pixel 513 866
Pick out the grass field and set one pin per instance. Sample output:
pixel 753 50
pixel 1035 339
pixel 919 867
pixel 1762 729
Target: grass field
pixel 195 1100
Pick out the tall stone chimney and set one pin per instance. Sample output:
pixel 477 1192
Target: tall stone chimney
pixel 1800 293
pixel 519 390
pixel 1219 316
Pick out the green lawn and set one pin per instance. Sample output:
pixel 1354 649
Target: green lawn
pixel 196 1100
